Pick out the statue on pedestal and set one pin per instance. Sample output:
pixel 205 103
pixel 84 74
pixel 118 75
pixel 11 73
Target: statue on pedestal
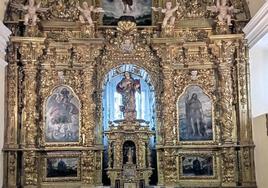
pixel 86 13
pixel 127 87
pixel 225 12
pixel 168 11
pixel 31 17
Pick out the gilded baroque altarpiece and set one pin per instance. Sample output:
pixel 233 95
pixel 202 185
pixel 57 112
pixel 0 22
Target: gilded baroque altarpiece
pixel 199 71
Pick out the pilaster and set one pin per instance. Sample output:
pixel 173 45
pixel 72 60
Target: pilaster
pixel 4 37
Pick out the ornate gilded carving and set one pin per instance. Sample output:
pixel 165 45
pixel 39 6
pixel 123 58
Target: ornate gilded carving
pixel 87 167
pixel 228 166
pixel 12 84
pixel 30 52
pixel 80 56
pixel 169 108
pixel 88 109
pixel 12 163
pixel 30 167
pixel 170 168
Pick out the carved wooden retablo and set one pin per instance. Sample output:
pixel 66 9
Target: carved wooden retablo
pixel 132 93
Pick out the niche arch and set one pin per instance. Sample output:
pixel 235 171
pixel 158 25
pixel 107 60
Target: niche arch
pixel 129 144
pixel 146 113
pixel 113 77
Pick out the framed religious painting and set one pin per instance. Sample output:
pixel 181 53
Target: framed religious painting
pixel 198 165
pixel 195 115
pixel 61 167
pixel 114 10
pixel 62 117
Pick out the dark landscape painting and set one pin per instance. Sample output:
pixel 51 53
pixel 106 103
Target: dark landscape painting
pixel 197 166
pixel 62 167
pixel 195 115
pixel 140 10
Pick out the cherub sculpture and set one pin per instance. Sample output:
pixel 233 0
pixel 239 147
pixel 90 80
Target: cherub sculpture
pixel 31 17
pixel 168 11
pixel 225 12
pixel 86 13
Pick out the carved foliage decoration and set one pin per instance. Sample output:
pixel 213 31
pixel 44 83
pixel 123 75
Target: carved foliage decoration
pixel 87 167
pixel 30 167
pixel 170 169
pixel 228 165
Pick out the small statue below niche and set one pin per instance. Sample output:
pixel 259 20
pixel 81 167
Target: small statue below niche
pixel 86 13
pixel 31 17
pixel 168 11
pixel 225 12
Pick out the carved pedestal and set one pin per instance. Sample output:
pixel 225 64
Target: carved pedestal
pixel 132 167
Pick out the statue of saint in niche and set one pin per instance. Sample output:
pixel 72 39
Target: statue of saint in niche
pixel 194 114
pixel 127 87
pixel 130 156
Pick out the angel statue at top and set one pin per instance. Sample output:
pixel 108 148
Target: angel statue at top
pixel 31 17
pixel 168 11
pixel 86 12
pixel 225 12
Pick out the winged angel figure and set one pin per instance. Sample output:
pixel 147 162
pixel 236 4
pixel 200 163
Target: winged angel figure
pixel 168 11
pixel 86 12
pixel 31 17
pixel 224 11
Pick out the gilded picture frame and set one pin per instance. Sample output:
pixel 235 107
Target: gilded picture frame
pixel 211 130
pixel 154 15
pixel 69 133
pixel 61 167
pixel 201 165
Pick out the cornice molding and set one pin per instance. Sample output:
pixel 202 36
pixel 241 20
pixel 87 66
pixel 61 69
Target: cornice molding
pixel 4 37
pixel 258 26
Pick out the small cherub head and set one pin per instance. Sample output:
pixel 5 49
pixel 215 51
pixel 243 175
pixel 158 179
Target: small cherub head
pixel 168 5
pixel 85 5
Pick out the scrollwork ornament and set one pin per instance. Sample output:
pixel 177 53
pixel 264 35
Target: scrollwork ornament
pixel 242 72
pixel 12 92
pixel 87 167
pixel 170 171
pixel 169 107
pixel 89 107
pixel 228 166
pixel 30 168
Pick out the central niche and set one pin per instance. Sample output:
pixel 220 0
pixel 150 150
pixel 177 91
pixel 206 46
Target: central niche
pixel 113 95
pixel 128 96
